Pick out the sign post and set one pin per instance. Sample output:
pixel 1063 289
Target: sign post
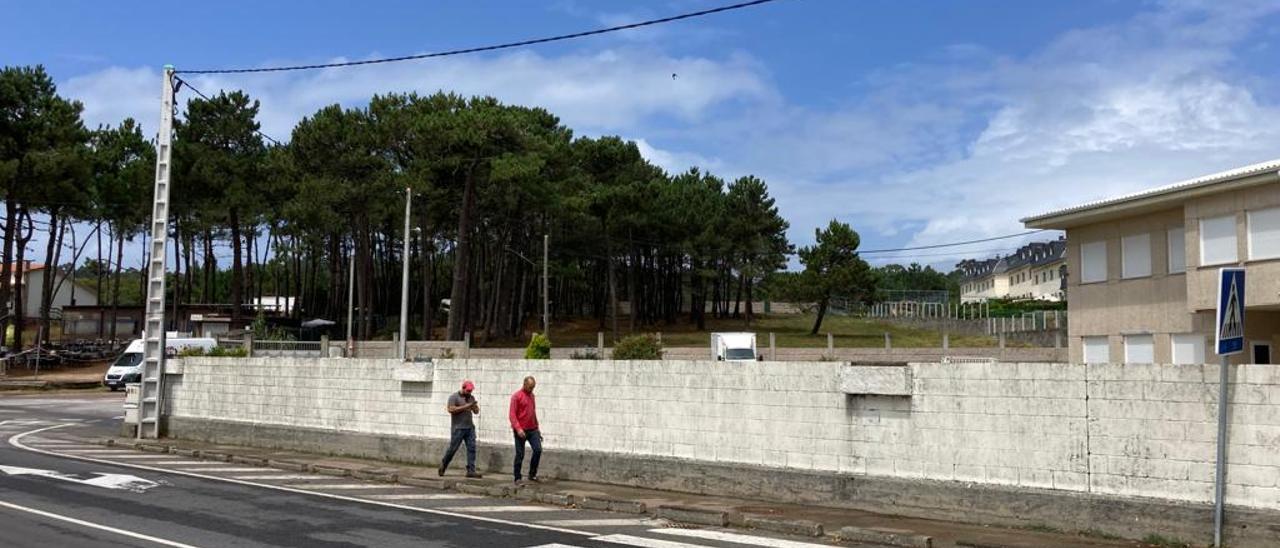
pixel 1228 340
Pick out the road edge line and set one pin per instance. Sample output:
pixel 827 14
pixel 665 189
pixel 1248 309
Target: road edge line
pixel 92 525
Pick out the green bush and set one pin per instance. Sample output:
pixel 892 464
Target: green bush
pixel 539 348
pixel 638 347
pixel 191 351
pixel 223 352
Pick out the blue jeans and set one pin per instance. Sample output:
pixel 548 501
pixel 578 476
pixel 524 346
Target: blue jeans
pixel 535 441
pixel 460 435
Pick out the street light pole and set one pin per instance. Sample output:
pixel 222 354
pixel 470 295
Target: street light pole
pixel 404 280
pixel 351 301
pixel 546 299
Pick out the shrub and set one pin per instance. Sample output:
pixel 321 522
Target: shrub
pixel 223 352
pixel 638 347
pixel 586 353
pixel 539 348
pixel 191 351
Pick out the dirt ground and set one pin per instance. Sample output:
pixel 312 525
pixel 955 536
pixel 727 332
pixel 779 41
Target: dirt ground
pixel 67 373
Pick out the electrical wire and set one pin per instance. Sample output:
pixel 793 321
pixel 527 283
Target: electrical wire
pixel 206 98
pixel 479 49
pixel 954 244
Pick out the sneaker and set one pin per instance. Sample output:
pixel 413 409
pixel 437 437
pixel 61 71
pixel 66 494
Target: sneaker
pixel 534 479
pixel 440 471
pixel 475 475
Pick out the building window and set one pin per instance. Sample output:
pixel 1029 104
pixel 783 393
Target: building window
pixel 1139 349
pixel 1135 256
pixel 1264 233
pixel 1093 262
pixel 1188 349
pixel 1177 250
pixel 1218 240
pixel 1096 349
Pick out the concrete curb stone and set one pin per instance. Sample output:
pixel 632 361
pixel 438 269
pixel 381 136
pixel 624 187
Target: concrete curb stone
pixel 214 455
pixel 801 527
pixel 287 465
pixel 472 488
pixel 152 447
pixel 251 461
pixel 558 499
pixel 377 474
pixel 194 453
pixel 976 544
pixel 613 505
pixel 429 483
pixel 888 537
pixel 693 514
pixel 328 470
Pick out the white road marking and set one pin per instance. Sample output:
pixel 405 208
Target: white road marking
pixel 83 523
pixel 344 486
pixel 503 509
pixel 221 469
pixel 284 477
pixel 722 536
pixel 614 522
pixel 16 441
pixel 98 451
pixel 178 462
pixel 555 545
pixel 422 496
pixel 645 542
pixel 109 481
pixel 136 457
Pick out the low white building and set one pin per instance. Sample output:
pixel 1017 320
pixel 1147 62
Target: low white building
pixel 67 292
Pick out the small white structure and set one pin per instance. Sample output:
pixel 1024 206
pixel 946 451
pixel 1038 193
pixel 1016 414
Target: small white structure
pixel 67 292
pixel 734 347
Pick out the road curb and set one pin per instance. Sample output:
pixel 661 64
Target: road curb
pixel 801 527
pixel 151 447
pixel 558 499
pixel 287 465
pixel 376 474
pixel 331 470
pixel 193 453
pixel 429 483
pixel 612 505
pixel 976 544
pixel 214 455
pixel 251 461
pixel 888 537
pixel 693 514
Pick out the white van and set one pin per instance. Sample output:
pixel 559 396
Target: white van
pixel 734 347
pixel 128 367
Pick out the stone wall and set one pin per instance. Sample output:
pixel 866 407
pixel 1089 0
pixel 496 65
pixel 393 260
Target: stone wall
pixel 1109 430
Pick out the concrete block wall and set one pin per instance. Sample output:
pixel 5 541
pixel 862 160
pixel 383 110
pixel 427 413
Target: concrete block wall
pixel 1145 431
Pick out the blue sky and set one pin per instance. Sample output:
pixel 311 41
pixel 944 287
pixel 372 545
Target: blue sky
pixel 918 122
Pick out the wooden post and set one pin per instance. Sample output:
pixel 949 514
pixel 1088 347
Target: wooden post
pixel 888 342
pixel 1002 339
pixel 324 346
pixel 773 347
pixel 248 344
pixel 600 344
pixel 946 341
pixel 831 343
pixel 466 341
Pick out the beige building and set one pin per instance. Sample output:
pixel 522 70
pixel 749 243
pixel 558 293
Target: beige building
pixel 1143 268
pixel 1034 272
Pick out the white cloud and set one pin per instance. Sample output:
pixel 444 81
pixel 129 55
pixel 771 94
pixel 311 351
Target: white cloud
pixel 612 90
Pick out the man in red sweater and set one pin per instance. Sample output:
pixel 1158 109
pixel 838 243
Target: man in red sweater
pixel 524 423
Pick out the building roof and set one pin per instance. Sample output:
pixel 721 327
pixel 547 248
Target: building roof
pixel 1033 254
pixel 1137 199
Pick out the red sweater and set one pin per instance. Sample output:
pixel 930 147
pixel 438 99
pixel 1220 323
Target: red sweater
pixel 524 413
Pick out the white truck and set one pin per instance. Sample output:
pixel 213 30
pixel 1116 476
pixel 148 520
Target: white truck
pixel 128 367
pixel 734 347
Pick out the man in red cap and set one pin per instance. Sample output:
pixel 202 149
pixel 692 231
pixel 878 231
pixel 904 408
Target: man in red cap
pixel 462 405
pixel 524 424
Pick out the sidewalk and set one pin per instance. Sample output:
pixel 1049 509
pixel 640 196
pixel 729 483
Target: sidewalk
pixel 831 523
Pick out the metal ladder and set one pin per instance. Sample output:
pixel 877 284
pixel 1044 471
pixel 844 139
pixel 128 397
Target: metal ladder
pixel 152 394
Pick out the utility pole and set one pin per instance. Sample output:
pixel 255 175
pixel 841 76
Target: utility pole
pixel 546 299
pixel 153 354
pixel 351 303
pixel 403 351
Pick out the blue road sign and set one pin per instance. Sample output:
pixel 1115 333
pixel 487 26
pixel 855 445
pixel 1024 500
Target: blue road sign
pixel 1230 325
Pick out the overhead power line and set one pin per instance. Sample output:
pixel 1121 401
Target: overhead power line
pixel 182 82
pixel 954 244
pixel 494 47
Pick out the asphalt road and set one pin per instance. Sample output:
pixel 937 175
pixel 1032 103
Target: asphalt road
pixel 57 490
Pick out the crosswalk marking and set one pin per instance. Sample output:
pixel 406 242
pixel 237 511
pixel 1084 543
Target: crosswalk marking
pixel 555 545
pixel 135 457
pixel 341 486
pixel 422 496
pixel 97 452
pixel 178 462
pixel 284 477
pixel 501 509
pixel 723 536
pixel 611 522
pixel 643 542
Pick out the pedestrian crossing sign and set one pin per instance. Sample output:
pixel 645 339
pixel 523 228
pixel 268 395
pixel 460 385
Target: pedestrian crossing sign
pixel 1230 324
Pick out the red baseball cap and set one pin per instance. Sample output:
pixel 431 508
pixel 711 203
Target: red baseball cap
pixel 468 385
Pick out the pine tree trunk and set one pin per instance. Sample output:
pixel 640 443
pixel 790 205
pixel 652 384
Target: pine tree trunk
pixel 115 288
pixel 822 313
pixel 459 298
pixel 237 266
pixel 53 253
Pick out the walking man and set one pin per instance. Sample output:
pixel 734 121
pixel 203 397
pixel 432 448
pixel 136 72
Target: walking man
pixel 524 424
pixel 461 406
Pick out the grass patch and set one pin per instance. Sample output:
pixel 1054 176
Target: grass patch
pixel 791 331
